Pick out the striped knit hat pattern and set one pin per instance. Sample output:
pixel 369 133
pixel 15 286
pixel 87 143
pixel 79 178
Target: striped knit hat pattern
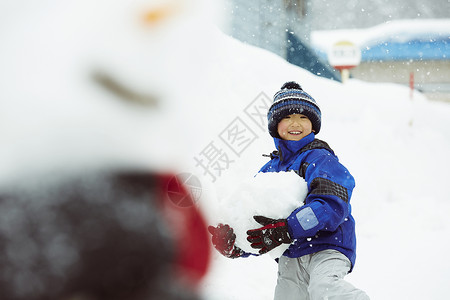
pixel 291 99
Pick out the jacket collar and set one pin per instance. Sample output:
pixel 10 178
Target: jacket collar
pixel 287 150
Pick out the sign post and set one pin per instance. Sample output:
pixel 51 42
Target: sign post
pixel 343 56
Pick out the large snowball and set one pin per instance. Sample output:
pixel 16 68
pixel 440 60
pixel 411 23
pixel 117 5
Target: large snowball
pixel 273 195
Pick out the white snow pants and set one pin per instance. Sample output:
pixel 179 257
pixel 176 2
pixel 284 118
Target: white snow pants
pixel 316 276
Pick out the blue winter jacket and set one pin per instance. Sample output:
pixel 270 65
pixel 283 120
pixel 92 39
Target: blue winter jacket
pixel 323 220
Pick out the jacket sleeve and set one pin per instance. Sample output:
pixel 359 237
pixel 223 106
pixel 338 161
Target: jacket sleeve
pixel 327 204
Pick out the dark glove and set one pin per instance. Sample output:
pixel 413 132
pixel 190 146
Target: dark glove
pixel 271 235
pixel 223 239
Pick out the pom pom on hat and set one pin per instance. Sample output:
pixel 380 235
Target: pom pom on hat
pixel 291 85
pixel 291 99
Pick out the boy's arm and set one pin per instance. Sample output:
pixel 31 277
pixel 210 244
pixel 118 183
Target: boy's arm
pixel 327 205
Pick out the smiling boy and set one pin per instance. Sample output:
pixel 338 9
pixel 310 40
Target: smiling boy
pixel 321 231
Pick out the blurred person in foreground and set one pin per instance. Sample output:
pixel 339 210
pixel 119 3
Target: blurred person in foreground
pixel 85 110
pixel 97 236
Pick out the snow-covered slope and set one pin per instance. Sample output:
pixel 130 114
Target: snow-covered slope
pixel 397 149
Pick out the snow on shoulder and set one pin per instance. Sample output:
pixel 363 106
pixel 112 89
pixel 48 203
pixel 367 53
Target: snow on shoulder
pixel 273 195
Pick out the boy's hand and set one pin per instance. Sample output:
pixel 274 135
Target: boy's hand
pixel 271 235
pixel 223 239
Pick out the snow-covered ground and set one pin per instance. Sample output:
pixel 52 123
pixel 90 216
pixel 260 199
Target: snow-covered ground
pixel 397 149
pixel 212 92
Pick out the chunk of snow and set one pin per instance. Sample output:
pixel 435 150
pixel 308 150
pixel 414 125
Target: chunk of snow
pixel 273 195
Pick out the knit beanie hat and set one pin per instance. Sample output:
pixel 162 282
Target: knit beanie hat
pixel 291 99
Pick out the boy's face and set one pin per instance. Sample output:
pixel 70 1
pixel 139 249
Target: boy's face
pixel 294 127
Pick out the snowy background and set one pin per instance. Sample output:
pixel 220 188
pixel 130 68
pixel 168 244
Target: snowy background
pixel 55 114
pixel 396 148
